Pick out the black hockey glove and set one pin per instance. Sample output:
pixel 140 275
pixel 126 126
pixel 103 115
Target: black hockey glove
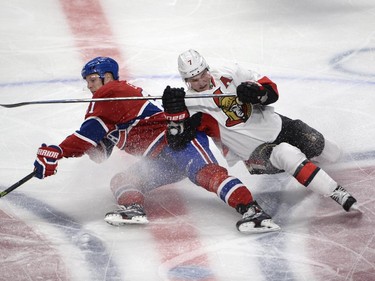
pixel 251 92
pixel 174 103
pixel 180 133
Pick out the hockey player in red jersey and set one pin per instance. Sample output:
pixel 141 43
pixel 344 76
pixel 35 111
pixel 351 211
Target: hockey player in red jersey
pixel 249 129
pixel 138 127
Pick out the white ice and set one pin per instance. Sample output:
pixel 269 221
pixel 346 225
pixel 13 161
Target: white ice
pixel 320 53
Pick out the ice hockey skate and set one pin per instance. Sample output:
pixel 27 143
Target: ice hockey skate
pixel 345 199
pixel 255 220
pixel 132 214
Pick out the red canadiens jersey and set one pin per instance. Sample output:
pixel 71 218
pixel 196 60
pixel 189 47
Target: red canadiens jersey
pixel 137 126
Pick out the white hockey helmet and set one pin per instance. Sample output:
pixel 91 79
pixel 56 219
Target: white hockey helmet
pixel 190 64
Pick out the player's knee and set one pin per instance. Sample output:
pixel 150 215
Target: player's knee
pixel 312 140
pixel 286 157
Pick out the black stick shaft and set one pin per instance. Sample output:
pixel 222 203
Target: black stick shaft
pixel 17 184
pixel 12 105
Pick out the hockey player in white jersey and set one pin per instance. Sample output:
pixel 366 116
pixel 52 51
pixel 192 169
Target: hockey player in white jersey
pixel 249 129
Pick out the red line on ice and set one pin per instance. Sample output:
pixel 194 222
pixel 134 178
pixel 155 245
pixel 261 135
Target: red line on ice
pixel 177 239
pixel 26 255
pixel 91 30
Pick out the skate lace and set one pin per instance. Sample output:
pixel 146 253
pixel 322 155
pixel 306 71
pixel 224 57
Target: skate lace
pixel 252 212
pixel 340 195
pixel 131 208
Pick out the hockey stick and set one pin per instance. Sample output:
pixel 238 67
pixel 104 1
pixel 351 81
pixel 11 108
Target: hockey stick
pixel 11 105
pixel 17 184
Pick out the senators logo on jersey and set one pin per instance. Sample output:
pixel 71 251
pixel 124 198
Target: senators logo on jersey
pixel 236 112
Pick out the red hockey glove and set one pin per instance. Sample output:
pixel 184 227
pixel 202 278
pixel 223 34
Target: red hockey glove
pixel 46 160
pixel 174 104
pixel 251 92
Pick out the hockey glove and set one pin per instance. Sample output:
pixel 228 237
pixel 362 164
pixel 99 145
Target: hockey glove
pixel 179 134
pixel 251 92
pixel 102 151
pixel 174 104
pixel 46 160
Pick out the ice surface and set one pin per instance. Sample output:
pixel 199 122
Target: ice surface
pixel 320 53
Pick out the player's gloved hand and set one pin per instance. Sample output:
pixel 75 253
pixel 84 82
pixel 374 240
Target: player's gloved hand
pixel 250 92
pixel 180 133
pixel 101 151
pixel 174 104
pixel 46 160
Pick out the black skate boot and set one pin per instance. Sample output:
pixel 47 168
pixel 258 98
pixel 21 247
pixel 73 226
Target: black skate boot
pixel 132 214
pixel 255 220
pixel 344 198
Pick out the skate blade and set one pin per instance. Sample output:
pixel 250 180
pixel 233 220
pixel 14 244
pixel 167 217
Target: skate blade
pixel 355 208
pixel 266 226
pixel 118 221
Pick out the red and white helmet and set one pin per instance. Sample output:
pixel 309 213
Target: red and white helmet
pixel 191 63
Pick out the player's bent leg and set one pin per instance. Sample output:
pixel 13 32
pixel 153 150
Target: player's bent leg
pixel 234 193
pixel 299 134
pixel 130 200
pixel 259 161
pixel 292 160
pixel 129 187
pixel 231 190
pixel 203 170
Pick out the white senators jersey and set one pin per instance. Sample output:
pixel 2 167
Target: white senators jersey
pixel 241 127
